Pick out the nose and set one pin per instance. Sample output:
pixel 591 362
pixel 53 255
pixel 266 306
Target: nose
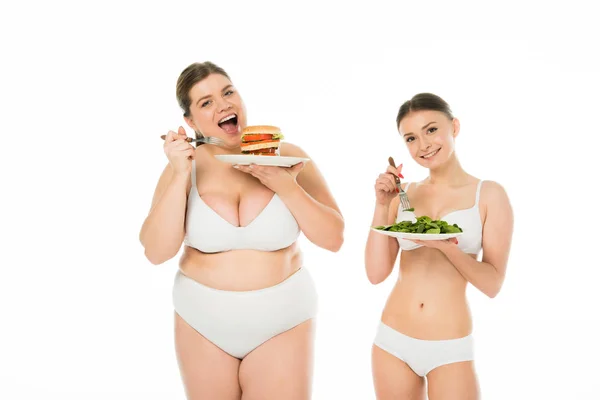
pixel 223 105
pixel 425 144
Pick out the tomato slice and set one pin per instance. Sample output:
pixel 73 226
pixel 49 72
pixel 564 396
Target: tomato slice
pixel 274 143
pixel 256 137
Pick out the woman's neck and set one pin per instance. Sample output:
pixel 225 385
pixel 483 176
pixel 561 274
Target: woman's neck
pixel 450 173
pixel 227 149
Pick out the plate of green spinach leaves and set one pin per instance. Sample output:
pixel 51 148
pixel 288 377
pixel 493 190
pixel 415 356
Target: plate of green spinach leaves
pixel 421 228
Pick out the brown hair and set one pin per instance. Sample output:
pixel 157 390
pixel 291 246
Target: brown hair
pixel 193 74
pixel 423 101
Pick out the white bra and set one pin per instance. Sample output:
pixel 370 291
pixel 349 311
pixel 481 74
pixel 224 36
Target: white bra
pixel 273 229
pixel 469 219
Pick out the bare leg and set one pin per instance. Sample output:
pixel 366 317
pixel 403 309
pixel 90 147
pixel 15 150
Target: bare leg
pixel 280 368
pixel 456 381
pixel 393 379
pixel 206 370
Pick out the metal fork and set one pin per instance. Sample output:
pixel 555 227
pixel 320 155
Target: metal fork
pixel 202 140
pixel 403 196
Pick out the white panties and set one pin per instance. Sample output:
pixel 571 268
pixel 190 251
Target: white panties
pixel 422 356
pixel 239 322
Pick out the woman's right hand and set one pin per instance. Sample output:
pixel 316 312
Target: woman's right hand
pixel 179 152
pixel 385 186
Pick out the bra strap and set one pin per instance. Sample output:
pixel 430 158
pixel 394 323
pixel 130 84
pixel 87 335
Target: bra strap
pixel 478 191
pixel 193 173
pixel 406 187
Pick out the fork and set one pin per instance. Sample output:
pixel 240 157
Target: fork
pixel 403 196
pixel 202 140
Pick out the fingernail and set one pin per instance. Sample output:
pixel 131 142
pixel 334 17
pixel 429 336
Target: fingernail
pixel 236 166
pixel 401 176
pixel 251 166
pixel 397 190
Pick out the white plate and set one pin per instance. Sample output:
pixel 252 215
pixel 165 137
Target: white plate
pixel 419 236
pixel 276 161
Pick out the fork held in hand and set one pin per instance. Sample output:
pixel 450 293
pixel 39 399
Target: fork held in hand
pixel 201 140
pixel 403 196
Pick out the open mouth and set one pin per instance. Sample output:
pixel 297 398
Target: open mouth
pixel 229 124
pixel 429 155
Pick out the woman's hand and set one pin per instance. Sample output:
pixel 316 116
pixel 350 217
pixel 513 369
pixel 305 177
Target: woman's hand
pixel 179 152
pixel 437 244
pixel 385 185
pixel 280 180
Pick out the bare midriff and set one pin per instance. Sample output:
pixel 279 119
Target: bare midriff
pixel 429 299
pixel 240 270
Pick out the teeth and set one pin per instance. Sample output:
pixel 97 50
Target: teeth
pixel 227 118
pixel 433 153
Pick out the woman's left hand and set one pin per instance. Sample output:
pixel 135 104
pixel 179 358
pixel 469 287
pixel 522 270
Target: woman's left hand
pixel 280 180
pixel 437 244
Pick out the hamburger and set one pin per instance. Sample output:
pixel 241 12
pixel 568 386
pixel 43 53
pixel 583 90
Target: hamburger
pixel 261 140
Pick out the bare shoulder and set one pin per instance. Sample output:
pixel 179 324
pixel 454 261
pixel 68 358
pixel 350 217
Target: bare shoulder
pixel 493 196
pixel 291 150
pixel 204 154
pixel 492 190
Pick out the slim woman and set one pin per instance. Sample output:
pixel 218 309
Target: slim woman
pixel 244 304
pixel 425 328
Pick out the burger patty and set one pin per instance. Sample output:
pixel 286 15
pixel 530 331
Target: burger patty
pixel 271 150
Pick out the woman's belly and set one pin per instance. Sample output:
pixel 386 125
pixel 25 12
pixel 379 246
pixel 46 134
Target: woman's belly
pixel 240 270
pixel 429 300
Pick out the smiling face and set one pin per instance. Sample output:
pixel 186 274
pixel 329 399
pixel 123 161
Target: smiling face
pixel 217 109
pixel 429 136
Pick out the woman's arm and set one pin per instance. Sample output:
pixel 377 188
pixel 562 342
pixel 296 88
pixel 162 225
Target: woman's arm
pixel 488 275
pixel 313 205
pixel 381 250
pixel 163 230
pixel 306 195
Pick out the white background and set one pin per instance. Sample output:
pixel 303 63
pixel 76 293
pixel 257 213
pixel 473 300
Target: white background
pixel 86 91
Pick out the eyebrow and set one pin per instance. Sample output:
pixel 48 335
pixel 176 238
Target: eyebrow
pixel 202 98
pixel 423 128
pixel 208 95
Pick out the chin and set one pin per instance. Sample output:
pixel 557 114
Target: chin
pixel 232 138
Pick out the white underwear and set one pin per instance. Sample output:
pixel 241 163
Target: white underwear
pixel 422 356
pixel 239 322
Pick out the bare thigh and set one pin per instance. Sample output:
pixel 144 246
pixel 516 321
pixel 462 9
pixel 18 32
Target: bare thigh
pixel 206 370
pixel 456 381
pixel 280 368
pixel 393 379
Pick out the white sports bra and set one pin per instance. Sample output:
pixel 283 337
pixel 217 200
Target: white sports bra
pixel 469 219
pixel 273 229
